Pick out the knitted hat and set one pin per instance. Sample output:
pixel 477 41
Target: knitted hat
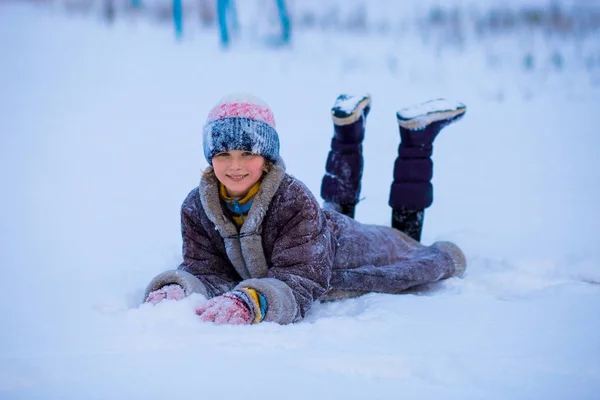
pixel 241 122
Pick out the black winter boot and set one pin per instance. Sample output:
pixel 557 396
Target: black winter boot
pixel 411 190
pixel 341 184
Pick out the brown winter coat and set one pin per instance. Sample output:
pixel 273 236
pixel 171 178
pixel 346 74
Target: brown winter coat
pixel 295 253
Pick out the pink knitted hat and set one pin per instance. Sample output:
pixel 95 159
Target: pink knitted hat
pixel 241 122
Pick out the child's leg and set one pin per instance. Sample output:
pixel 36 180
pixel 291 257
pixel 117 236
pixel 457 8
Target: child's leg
pixel 374 258
pixel 340 187
pixel 411 190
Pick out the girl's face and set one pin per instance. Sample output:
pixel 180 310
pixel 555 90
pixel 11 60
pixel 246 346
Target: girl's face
pixel 238 170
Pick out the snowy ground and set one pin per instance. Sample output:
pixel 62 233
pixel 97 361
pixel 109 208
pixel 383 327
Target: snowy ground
pixel 100 142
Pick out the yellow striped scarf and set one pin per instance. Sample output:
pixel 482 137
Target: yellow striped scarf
pixel 238 218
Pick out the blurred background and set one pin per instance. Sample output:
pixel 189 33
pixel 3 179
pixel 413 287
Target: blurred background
pixel 529 43
pixel 549 35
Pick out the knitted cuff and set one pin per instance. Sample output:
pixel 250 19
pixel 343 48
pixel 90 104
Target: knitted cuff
pixel 282 306
pixel 256 302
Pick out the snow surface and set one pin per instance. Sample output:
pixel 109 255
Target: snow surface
pixel 100 141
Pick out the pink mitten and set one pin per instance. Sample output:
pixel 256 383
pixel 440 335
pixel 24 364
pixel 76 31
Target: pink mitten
pixel 225 309
pixel 170 292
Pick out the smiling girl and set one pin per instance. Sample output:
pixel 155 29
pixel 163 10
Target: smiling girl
pixel 259 246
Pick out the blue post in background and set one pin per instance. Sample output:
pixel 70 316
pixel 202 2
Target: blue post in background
pixel 178 18
pixel 135 4
pixel 222 6
pixel 228 23
pixel 284 18
pixel 284 25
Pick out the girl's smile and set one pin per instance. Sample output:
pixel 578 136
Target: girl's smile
pixel 237 178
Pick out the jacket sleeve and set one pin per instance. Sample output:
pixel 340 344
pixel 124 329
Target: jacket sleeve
pixel 301 261
pixel 201 256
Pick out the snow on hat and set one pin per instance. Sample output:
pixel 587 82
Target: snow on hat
pixel 241 122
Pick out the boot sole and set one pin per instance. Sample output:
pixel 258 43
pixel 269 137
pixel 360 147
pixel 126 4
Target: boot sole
pixel 419 116
pixel 349 109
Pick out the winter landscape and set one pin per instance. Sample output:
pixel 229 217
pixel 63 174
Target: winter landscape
pixel 100 142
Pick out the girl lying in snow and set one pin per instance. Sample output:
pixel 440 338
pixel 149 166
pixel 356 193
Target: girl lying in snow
pixel 256 241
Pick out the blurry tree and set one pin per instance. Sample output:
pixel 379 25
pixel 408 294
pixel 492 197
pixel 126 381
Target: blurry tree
pixel 83 6
pixel 108 11
pixel 207 12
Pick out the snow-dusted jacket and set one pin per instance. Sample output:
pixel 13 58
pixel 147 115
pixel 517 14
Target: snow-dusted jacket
pixel 295 253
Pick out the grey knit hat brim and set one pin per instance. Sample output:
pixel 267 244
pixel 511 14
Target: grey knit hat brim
pixel 237 133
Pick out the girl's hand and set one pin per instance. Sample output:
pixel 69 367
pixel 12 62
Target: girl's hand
pixel 225 309
pixel 170 292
